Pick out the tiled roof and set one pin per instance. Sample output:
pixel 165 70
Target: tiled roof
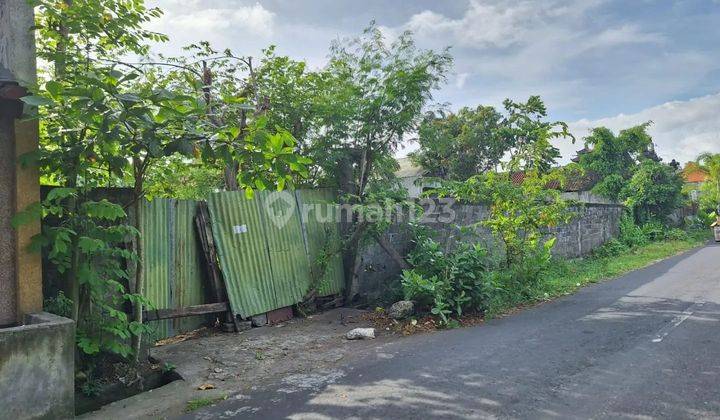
pixel 695 175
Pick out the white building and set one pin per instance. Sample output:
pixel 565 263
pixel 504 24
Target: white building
pixel 412 178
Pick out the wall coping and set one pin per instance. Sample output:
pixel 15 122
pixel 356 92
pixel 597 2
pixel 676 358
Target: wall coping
pixel 38 321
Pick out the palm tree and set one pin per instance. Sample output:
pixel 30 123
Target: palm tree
pixel 711 164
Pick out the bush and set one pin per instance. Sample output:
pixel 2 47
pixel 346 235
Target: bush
pixel 447 284
pixel 676 234
pixel 653 192
pixel 611 248
pixel 701 221
pixel 654 231
pixel 527 273
pixel 631 234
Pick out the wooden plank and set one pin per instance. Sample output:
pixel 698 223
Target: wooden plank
pixel 217 285
pixel 208 308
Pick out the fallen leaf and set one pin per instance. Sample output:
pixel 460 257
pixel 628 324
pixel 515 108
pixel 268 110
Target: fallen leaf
pixel 204 387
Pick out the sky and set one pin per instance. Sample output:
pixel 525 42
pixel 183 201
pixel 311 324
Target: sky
pixel 613 63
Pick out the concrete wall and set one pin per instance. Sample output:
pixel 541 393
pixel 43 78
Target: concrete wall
pixel 37 369
pixel 593 225
pixel 20 279
pixel 8 295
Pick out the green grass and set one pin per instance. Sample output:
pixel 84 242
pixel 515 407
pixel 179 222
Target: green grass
pixel 199 403
pixel 567 276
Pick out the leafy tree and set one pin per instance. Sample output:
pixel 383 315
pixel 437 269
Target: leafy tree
pixel 182 177
pixel 373 95
pixel 457 146
pixel 80 148
pixel 232 118
pixel 614 158
pixel 528 137
pixel 289 92
pixel 711 190
pixel 108 122
pixel 520 213
pixel 653 192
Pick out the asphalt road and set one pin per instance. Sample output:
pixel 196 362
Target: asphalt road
pixel 644 345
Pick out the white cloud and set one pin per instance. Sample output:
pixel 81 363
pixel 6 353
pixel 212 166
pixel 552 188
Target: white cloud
pixel 254 19
pixel 460 80
pixel 681 130
pixel 484 24
pixel 530 47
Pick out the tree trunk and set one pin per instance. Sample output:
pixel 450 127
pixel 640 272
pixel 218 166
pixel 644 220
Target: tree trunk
pixel 392 252
pixel 230 175
pixel 139 266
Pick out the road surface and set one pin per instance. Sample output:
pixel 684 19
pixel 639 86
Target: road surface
pixel 644 345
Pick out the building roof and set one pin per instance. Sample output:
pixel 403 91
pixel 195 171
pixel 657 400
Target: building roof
pixel 694 174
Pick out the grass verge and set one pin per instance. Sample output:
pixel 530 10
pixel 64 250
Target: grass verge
pixel 566 276
pixel 199 403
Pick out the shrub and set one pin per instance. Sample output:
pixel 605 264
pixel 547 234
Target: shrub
pixel 653 192
pixel 611 248
pixel 701 221
pixel 654 230
pixel 676 234
pixel 448 283
pixel 527 273
pixel 631 234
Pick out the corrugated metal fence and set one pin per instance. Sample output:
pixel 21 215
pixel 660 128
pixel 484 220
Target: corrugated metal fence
pixel 174 277
pixel 272 250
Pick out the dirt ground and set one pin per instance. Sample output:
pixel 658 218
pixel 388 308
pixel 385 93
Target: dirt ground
pixel 302 352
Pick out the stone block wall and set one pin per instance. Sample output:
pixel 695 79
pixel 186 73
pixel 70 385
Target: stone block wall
pixel 593 225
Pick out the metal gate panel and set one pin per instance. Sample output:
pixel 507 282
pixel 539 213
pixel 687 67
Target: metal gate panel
pixel 320 220
pixel 286 246
pixel 190 283
pixel 239 233
pixel 172 262
pixel 156 251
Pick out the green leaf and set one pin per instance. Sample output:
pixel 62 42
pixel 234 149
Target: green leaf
pixel 54 88
pixel 89 245
pixel 104 209
pixel 249 193
pixel 32 213
pixel 60 193
pixel 88 345
pixel 129 97
pixel 34 100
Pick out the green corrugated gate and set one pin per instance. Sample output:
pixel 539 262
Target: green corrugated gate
pixel 266 248
pixel 320 221
pixel 172 262
pixel 272 249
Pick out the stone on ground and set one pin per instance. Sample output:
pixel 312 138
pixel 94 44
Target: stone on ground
pixel 401 309
pixel 360 333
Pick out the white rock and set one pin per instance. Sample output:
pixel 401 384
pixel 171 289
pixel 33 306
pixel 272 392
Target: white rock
pixel 360 333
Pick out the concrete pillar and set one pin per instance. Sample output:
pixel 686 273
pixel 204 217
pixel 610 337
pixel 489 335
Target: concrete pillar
pixel 20 270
